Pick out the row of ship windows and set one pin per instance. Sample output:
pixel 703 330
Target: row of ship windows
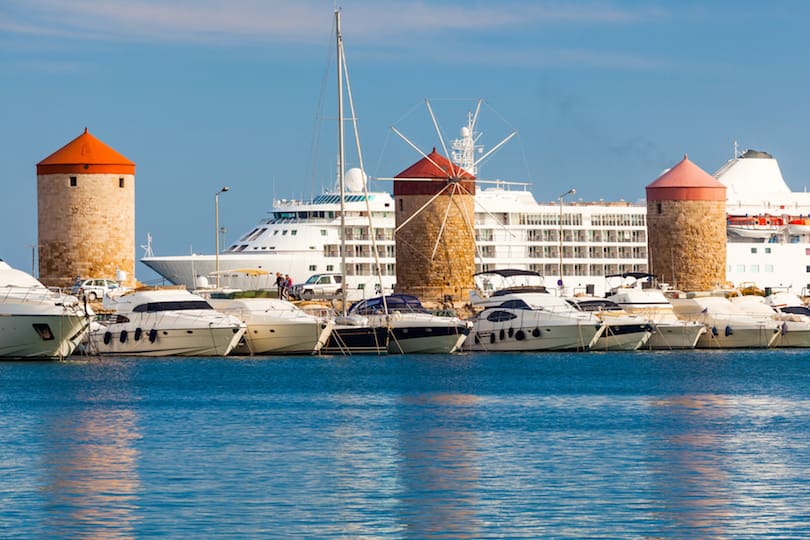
pixel 540 252
pixel 352 233
pixel 282 217
pixel 483 235
pixel 575 269
pixel 365 269
pixel 753 268
pixel 597 220
pixel 553 235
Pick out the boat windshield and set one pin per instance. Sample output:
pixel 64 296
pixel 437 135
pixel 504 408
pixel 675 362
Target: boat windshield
pixel 595 305
pixel 174 305
pixel 396 302
pixel 796 310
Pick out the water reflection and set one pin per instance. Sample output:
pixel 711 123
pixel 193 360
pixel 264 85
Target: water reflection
pixel 439 467
pixel 689 469
pixel 89 464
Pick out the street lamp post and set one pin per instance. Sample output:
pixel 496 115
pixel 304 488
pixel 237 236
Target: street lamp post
pixel 560 281
pixel 216 230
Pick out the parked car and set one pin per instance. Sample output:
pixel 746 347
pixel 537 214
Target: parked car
pixel 93 289
pixel 319 286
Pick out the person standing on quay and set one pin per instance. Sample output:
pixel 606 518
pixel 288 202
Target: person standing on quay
pixel 280 285
pixel 287 286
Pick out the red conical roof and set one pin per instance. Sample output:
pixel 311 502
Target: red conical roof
pixel 427 168
pixel 686 182
pixel 86 155
pixel 431 175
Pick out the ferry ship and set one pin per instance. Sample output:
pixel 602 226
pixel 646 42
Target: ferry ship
pixel 574 244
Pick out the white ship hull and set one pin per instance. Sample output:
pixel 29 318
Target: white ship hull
pixel 675 335
pixel 623 337
pixel 275 326
pixel 178 339
pixel 36 322
pixel 538 335
pixel 163 322
pixel 20 338
pixel 415 334
pixel 742 337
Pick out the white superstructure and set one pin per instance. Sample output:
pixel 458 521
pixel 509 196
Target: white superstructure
pixel 768 224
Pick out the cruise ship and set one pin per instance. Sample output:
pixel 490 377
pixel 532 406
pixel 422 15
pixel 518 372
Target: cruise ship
pixel 582 241
pixel 768 225
pixel 574 244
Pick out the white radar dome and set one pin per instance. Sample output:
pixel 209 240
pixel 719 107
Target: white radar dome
pixel 355 180
pixel 465 131
pixel 202 282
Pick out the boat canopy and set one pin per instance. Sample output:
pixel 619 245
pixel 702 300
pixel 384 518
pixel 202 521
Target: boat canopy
pixel 509 272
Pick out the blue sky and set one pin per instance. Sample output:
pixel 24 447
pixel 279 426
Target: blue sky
pixel 604 96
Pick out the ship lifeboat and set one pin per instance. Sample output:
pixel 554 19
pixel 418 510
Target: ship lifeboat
pixel 799 225
pixel 762 226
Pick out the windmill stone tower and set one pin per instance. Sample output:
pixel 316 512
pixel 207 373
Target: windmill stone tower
pixel 435 229
pixel 86 213
pixel 686 228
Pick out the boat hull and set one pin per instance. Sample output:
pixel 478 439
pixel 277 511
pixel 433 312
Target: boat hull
pixel 623 337
pixel 436 339
pixel 349 339
pixel 166 333
pixel 57 337
pixel 757 337
pixel 532 337
pixel 119 340
pixel 284 338
pixel 675 335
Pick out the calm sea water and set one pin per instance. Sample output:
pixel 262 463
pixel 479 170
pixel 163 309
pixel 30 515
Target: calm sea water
pixel 697 444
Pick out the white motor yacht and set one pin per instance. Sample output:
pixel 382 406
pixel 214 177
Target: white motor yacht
pixel 274 326
pixel 728 325
pixel 163 322
pixel 36 322
pixel 527 320
pixel 623 332
pixel 787 309
pixel 519 314
pixel 411 328
pixel 637 296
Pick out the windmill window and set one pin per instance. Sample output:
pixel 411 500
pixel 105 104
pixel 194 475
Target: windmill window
pixel 72 181
pixel 400 205
pixel 120 182
pixel 658 207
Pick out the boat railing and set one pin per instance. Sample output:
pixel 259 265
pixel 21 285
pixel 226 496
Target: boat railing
pixel 33 295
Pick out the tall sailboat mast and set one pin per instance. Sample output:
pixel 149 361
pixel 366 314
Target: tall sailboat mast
pixel 341 161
